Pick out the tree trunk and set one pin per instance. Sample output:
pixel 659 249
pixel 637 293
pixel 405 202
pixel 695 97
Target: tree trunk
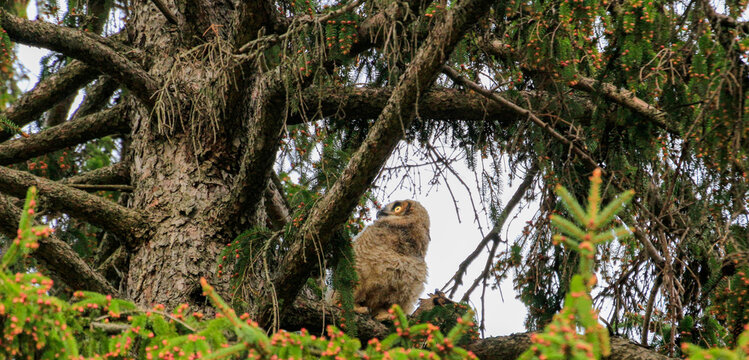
pixel 184 163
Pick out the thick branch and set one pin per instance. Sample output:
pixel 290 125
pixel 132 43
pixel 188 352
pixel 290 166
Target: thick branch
pixel 276 205
pixel 311 315
pixel 165 10
pixel 102 187
pixel 56 254
pixel 627 99
pixel 510 347
pixel 96 97
pixel 106 122
pixel 334 208
pixel 89 48
pixel 436 104
pixel 103 213
pixel 47 93
pixel 118 173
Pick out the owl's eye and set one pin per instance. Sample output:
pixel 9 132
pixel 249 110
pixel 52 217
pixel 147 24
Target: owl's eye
pixel 397 208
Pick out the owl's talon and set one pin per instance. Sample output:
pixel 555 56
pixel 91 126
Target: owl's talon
pixel 361 309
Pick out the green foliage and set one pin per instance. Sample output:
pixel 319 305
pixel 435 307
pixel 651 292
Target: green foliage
pixel 560 338
pixel 344 281
pixel 9 126
pixel 447 316
pixel 694 352
pixel 37 325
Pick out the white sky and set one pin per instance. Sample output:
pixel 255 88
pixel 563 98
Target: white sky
pixel 451 242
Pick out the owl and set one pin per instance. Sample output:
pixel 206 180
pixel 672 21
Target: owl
pixel 390 259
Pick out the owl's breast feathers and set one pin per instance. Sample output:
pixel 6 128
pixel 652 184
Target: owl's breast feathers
pixel 411 240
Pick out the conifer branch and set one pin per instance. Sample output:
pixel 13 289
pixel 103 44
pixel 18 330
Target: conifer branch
pixel 620 96
pixel 435 104
pixel 56 254
pixel 455 76
pixel 118 173
pixel 97 97
pixel 89 48
pixel 48 92
pixel 107 122
pixel 123 222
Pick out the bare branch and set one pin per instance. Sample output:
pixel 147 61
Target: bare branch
pixel 165 10
pixel 106 122
pixel 276 204
pixel 334 208
pixel 124 222
pixel 48 92
pixel 103 187
pixel 628 99
pixel 493 235
pixel 96 97
pixel 436 104
pixel 89 48
pixel 56 254
pixel 118 173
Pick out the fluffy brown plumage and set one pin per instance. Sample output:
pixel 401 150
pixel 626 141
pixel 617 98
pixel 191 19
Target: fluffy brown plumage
pixel 390 259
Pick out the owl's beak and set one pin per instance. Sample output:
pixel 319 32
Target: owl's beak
pixel 381 213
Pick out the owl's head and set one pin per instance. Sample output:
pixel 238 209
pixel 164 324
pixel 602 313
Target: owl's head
pixel 402 209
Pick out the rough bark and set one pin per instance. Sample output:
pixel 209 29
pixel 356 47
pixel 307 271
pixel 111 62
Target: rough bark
pixel 47 93
pixel 436 104
pixel 56 255
pixel 510 347
pixel 107 122
pixel 89 48
pixel 118 173
pixel 98 211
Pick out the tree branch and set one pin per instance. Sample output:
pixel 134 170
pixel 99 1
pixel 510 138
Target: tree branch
pixel 103 187
pixel 622 97
pixel 89 48
pixel 519 110
pixel 334 208
pixel 510 347
pixel 118 173
pixel 436 104
pixel 493 235
pixel 165 10
pixel 627 99
pixel 56 254
pixel 106 122
pixel 48 92
pixel 96 97
pixel 277 207
pixel 124 222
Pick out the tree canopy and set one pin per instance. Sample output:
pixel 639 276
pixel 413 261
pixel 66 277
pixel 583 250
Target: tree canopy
pixel 241 141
